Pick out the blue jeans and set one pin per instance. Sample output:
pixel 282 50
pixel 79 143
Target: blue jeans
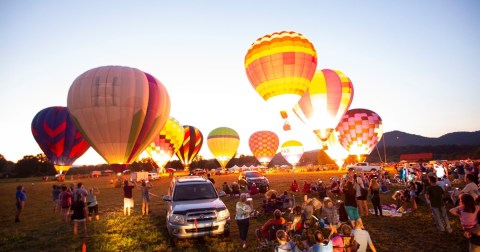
pixel 440 213
pixel 243 228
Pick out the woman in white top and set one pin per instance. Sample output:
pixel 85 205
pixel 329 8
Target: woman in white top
pixel 242 217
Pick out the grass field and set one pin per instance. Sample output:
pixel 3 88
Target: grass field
pixel 41 230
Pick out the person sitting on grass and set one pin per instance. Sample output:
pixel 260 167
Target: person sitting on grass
pixel 322 244
pixel 226 188
pixel 254 189
pixel 306 187
pixel 467 211
pixel 284 243
pixel 235 189
pixel 262 233
pixel 294 186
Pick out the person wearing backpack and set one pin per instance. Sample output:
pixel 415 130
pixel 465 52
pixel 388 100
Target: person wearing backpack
pixel 362 237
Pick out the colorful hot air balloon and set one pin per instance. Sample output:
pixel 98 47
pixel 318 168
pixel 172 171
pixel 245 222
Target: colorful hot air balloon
pixel 223 143
pixel 58 137
pixel 292 151
pixel 119 110
pixel 325 102
pixel 335 150
pixel 280 67
pixel 192 143
pixel 264 146
pixel 359 132
pixel 166 143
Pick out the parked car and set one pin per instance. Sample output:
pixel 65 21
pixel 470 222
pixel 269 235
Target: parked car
pixel 220 171
pixel 194 209
pixel 254 177
pixel 198 172
pixel 153 176
pixel 363 167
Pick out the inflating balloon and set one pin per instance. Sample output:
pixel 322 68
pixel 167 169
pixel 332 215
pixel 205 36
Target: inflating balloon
pixel 264 146
pixel 335 150
pixel 280 67
pixel 292 151
pixel 325 102
pixel 223 144
pixel 359 132
pixel 58 137
pixel 192 143
pixel 119 110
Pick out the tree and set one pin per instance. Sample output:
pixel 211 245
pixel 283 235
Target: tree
pixel 5 165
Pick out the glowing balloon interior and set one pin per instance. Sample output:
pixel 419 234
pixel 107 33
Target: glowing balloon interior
pixel 119 110
pixel 335 150
pixel 292 151
pixel 58 137
pixel 223 142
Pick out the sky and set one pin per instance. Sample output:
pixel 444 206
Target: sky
pixel 412 62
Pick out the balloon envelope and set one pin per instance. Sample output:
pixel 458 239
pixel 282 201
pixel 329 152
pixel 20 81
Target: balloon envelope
pixel 264 145
pixel 280 66
pixel 192 143
pixel 359 131
pixel 292 151
pixel 119 110
pixel 223 143
pixel 325 102
pixel 166 143
pixel 58 137
pixel 335 150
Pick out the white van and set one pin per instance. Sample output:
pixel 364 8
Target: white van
pixel 153 176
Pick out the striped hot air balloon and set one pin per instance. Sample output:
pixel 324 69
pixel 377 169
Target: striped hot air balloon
pixel 223 142
pixel 264 146
pixel 325 102
pixel 58 137
pixel 192 143
pixel 292 151
pixel 359 132
pixel 119 110
pixel 280 67
pixel 166 143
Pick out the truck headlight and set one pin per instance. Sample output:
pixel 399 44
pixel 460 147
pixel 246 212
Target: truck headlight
pixel 177 219
pixel 223 214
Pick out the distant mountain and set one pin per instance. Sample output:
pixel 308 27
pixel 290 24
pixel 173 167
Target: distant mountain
pixel 398 138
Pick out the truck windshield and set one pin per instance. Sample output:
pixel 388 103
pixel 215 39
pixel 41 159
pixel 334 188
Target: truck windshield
pixel 194 192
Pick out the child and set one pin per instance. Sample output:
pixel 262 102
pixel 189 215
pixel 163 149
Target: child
pixel 79 215
pixel 467 211
pixel 329 214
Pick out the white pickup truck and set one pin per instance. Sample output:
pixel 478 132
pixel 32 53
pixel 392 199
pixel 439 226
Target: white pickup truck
pixel 363 167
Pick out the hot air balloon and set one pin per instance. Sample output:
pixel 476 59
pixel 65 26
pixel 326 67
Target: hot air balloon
pixel 264 146
pixel 359 132
pixel 280 67
pixel 58 137
pixel 325 102
pixel 292 151
pixel 223 144
pixel 119 110
pixel 192 143
pixel 335 150
pixel 166 143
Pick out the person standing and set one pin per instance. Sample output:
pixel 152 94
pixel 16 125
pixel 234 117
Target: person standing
pixel 65 202
pixel 362 237
pixel 79 215
pixel 92 203
pixel 242 217
pixel 211 179
pixel 55 197
pixel 20 199
pixel 434 195
pixel 361 194
pixel 128 197
pixel 351 203
pixel 146 185
pixel 375 198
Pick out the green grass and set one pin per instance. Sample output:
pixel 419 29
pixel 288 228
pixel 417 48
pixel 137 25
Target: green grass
pixel 41 230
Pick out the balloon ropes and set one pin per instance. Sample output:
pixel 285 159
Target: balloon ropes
pixel 119 111
pixel 292 151
pixel 359 132
pixel 280 67
pixel 223 143
pixel 166 143
pixel 264 146
pixel 192 143
pixel 58 137
pixel 325 102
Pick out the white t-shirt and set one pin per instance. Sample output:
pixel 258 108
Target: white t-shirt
pixel 363 239
pixel 472 189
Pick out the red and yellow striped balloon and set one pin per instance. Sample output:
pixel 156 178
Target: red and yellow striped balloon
pixel 325 102
pixel 192 143
pixel 280 67
pixel 264 145
pixel 359 132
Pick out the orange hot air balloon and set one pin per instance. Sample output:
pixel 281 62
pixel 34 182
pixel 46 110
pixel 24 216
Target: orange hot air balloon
pixel 280 67
pixel 119 111
pixel 359 132
pixel 292 151
pixel 166 143
pixel 223 142
pixel 264 146
pixel 192 143
pixel 325 102
pixel 335 150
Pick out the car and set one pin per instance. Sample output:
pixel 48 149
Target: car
pixel 194 209
pixel 153 176
pixel 363 167
pixel 220 171
pixel 254 177
pixel 198 172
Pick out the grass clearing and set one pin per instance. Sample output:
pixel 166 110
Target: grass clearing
pixel 41 230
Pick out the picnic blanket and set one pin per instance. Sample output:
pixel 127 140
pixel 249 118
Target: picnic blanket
pixel 391 211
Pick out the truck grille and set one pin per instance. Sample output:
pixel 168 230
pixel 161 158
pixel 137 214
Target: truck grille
pixel 201 217
pixel 204 229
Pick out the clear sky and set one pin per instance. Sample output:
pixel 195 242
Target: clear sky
pixel 415 63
